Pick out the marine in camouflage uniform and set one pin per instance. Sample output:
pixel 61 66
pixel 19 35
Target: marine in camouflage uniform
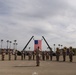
pixel 37 57
pixel 43 55
pixel 15 55
pixel 70 54
pixel 51 54
pixel 30 55
pixel 9 54
pixel 47 56
pixel 33 53
pixel 64 53
pixel 57 54
pixel 3 54
pixel 22 55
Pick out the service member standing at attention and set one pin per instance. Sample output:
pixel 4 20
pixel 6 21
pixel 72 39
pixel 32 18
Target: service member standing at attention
pixel 22 55
pixel 9 54
pixel 33 54
pixel 70 54
pixel 51 54
pixel 15 55
pixel 64 53
pixel 3 54
pixel 43 55
pixel 37 57
pixel 57 54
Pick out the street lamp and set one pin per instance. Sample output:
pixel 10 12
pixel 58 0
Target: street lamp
pixel 1 43
pixel 15 41
pixel 29 48
pixel 10 44
pixel 59 46
pixel 16 45
pixel 54 47
pixel 7 44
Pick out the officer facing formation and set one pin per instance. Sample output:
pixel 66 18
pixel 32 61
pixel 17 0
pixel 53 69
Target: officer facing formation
pixel 37 57
pixel 70 54
pixel 64 53
pixel 57 54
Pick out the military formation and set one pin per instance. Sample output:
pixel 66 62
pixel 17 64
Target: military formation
pixel 40 55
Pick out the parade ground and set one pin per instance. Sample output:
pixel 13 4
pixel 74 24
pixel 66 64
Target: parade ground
pixel 28 67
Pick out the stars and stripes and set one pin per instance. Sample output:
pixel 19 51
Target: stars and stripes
pixel 37 43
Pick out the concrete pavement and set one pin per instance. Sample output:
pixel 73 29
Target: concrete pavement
pixel 25 67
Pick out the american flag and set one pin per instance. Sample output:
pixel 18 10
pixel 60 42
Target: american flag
pixel 37 43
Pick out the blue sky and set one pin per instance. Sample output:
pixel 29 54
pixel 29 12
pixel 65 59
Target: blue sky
pixel 53 19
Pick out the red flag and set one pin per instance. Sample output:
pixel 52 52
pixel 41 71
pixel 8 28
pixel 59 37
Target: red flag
pixel 37 43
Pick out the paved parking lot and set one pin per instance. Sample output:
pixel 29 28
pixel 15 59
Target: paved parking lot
pixel 25 67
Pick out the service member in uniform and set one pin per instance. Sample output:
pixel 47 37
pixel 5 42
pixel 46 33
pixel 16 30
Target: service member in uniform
pixel 15 55
pixel 47 56
pixel 64 53
pixel 37 57
pixel 70 54
pixel 43 55
pixel 22 55
pixel 9 54
pixel 57 54
pixel 33 54
pixel 3 54
pixel 30 55
pixel 51 54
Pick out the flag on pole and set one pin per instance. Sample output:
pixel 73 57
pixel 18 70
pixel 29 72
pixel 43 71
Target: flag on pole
pixel 37 43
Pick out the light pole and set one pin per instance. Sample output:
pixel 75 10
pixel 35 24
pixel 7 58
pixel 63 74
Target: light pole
pixel 54 47
pixel 15 44
pixel 1 43
pixel 15 41
pixel 29 48
pixel 59 46
pixel 13 48
pixel 7 45
pixel 10 44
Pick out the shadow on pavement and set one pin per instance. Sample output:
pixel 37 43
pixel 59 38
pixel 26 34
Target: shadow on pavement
pixel 25 66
